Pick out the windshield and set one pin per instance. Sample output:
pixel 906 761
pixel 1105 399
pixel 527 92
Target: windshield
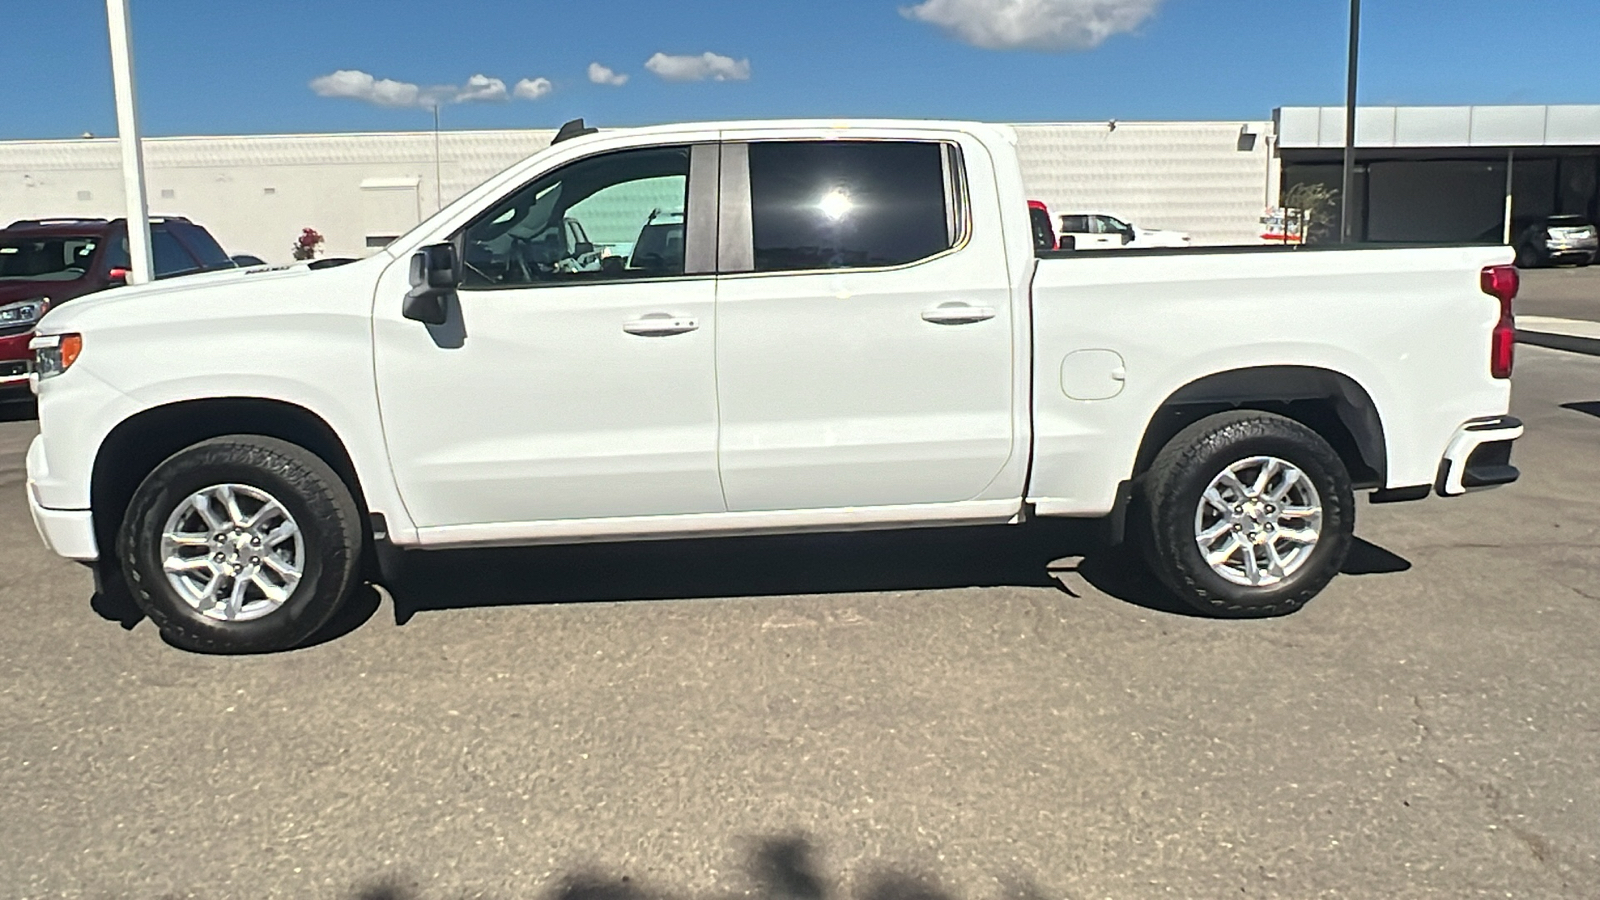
pixel 45 259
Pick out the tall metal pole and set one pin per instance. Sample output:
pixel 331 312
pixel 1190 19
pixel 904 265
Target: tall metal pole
pixel 138 207
pixel 1346 219
pixel 1511 186
pixel 438 167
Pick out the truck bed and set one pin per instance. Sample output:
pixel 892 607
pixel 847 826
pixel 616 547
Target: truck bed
pixel 1117 331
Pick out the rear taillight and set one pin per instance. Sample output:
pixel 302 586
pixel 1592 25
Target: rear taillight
pixel 1502 283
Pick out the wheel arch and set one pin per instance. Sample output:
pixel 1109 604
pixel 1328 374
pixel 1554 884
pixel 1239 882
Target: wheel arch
pixel 140 443
pixel 1330 403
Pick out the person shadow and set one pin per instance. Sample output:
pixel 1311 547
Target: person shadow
pixel 776 867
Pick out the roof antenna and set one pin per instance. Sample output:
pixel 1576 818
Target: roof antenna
pixel 573 129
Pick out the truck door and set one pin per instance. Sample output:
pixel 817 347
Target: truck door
pixel 574 379
pixel 864 346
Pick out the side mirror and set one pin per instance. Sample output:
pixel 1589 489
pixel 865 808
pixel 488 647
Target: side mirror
pixel 434 279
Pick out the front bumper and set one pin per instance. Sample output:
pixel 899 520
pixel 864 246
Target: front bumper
pixel 16 360
pixel 66 532
pixel 1479 456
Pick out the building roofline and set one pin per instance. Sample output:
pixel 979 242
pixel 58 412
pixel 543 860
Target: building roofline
pixel 1399 127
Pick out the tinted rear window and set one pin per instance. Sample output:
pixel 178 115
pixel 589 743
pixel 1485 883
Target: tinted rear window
pixel 847 204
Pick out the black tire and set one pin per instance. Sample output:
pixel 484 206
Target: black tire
pixel 1178 479
pixel 1527 257
pixel 303 484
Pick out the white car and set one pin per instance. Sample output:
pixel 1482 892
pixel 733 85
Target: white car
pixel 1099 231
pixel 848 327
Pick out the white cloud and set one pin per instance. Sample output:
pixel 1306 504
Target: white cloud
pixel 606 75
pixel 357 85
pixel 698 68
pixel 481 87
pixel 354 84
pixel 1033 24
pixel 534 88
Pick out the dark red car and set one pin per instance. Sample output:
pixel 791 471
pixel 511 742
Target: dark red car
pixel 1044 230
pixel 47 262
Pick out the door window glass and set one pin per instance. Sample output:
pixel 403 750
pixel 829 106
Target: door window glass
pixel 170 257
pixel 202 244
pixel 1108 225
pixel 850 204
pixel 1075 225
pixel 610 217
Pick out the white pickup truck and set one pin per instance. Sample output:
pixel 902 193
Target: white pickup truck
pixel 1099 231
pixel 758 327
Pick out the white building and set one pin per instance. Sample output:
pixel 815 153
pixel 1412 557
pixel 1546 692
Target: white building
pixel 256 193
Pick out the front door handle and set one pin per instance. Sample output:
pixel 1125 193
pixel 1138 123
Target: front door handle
pixel 958 314
pixel 661 325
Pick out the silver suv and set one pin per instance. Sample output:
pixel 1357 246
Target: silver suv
pixel 1558 241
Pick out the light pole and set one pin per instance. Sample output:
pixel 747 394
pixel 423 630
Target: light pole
pixel 142 267
pixel 438 167
pixel 1346 220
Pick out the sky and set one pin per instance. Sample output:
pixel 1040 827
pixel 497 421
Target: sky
pixel 293 66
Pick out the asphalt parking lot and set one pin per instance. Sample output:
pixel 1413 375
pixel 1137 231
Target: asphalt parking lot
pixel 1567 293
pixel 949 715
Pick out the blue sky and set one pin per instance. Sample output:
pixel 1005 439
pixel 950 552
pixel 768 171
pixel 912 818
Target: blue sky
pixel 230 66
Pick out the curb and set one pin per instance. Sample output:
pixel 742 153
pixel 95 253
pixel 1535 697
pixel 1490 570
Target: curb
pixel 1567 342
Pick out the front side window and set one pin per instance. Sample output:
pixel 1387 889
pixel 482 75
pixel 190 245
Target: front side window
pixel 1108 225
pixel 170 257
pixel 852 204
pixel 45 259
pixel 612 217
pixel 202 244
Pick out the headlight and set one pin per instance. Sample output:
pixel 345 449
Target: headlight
pixel 25 313
pixel 55 353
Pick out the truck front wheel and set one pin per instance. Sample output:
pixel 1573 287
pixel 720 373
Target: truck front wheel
pixel 241 544
pixel 1249 514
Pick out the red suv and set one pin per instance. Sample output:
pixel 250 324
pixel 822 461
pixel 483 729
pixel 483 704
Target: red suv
pixel 46 262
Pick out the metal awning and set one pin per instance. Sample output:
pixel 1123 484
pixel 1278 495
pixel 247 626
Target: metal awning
pixel 1322 127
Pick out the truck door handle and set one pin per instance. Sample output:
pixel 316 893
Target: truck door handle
pixel 958 314
pixel 661 325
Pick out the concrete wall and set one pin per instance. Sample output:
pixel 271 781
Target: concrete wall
pixel 256 193
pixel 1183 176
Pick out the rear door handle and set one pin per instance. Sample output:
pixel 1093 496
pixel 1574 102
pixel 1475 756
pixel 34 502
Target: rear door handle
pixel 958 314
pixel 661 325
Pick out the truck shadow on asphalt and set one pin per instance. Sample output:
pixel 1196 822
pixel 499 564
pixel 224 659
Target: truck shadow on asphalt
pixel 775 868
pixel 1061 555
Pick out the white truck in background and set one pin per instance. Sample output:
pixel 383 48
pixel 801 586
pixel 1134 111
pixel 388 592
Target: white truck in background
pixel 1102 231
pixel 815 326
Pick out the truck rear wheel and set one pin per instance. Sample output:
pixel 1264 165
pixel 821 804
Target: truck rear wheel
pixel 1249 514
pixel 241 544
